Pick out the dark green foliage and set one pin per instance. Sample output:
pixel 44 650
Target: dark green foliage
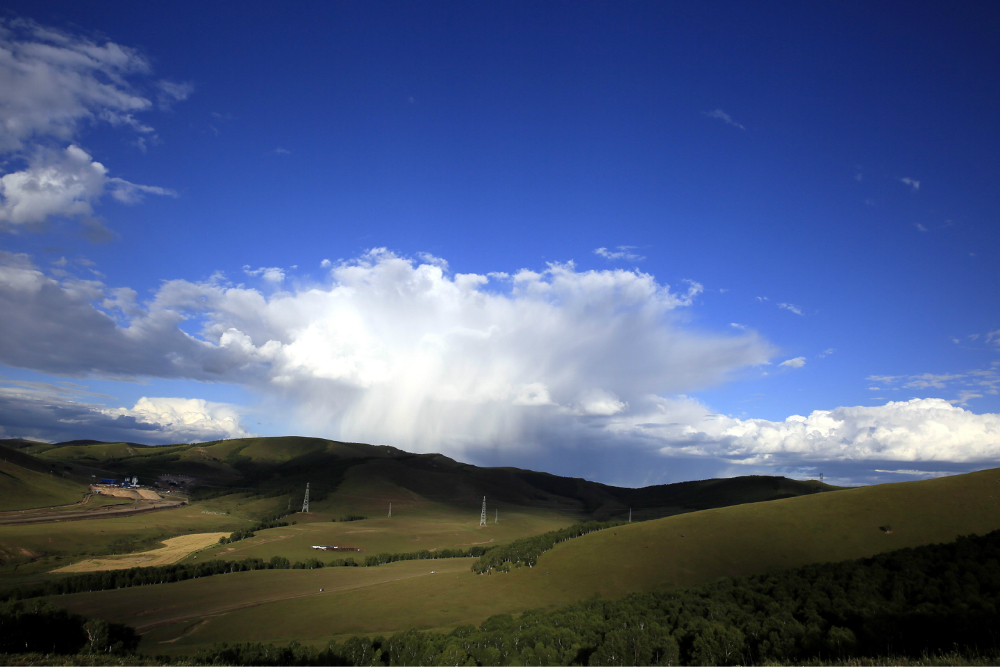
pixel 936 604
pixel 38 627
pixel 527 550
pixel 351 517
pixel 265 523
pixel 382 559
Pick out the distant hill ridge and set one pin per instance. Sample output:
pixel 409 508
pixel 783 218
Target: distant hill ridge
pixel 278 465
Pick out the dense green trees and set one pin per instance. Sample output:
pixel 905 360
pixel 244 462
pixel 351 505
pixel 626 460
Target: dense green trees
pixel 527 550
pixel 39 627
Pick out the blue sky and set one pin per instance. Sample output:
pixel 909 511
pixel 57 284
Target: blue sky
pixel 722 216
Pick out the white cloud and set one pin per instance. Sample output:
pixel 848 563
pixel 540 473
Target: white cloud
pixel 791 307
pixel 921 227
pixel 911 182
pixel 922 429
pixel 51 84
pixel 797 362
pixel 623 252
pixel 724 117
pixel 61 411
pixel 736 325
pixel 63 185
pixel 826 353
pixel 390 350
pixel 271 274
pixel 281 151
pixel 51 81
pixel 185 419
pixel 326 264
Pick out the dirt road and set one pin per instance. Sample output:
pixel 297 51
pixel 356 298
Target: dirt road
pixel 52 515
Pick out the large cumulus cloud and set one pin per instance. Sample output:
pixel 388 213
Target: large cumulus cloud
pixel 535 363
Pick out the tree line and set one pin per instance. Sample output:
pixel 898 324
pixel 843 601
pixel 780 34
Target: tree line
pixel 273 521
pixel 526 550
pixel 166 574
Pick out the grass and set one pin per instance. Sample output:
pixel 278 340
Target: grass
pixel 682 550
pixel 28 552
pixel 173 550
pixel 22 488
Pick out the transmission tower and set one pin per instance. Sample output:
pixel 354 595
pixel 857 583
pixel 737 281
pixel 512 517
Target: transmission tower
pixel 630 515
pixel 305 502
pixel 390 510
pixel 496 515
pixel 482 517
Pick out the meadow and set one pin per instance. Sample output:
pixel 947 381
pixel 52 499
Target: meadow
pixel 677 551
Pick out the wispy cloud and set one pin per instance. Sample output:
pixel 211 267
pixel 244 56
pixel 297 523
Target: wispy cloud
pixel 622 252
pixel 55 82
pixel 271 274
pixel 797 362
pixel 826 353
pixel 921 227
pixel 724 117
pixel 915 184
pixel 968 385
pixel 791 307
pixel 281 151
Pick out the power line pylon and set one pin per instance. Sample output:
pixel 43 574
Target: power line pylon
pixel 482 517
pixel 496 515
pixel 305 502
pixel 390 510
pixel 630 515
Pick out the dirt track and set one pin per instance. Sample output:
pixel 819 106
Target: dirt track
pixel 59 514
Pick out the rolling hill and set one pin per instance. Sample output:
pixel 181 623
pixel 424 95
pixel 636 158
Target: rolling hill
pixel 680 550
pixel 378 475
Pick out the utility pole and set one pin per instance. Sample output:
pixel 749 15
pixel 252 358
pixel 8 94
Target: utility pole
pixel 305 502
pixel 482 517
pixel 496 515
pixel 390 510
pixel 630 515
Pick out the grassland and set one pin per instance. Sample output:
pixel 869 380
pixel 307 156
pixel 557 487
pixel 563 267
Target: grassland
pixel 24 488
pixel 675 551
pixel 28 552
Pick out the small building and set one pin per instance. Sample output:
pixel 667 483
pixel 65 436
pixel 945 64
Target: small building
pixel 327 547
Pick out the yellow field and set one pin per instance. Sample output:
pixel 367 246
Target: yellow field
pixel 174 550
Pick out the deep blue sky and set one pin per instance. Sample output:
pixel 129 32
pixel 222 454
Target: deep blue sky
pixel 759 150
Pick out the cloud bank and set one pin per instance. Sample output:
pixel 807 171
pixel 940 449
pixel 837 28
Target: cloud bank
pixel 393 350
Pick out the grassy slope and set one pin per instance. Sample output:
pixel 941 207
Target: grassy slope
pixel 643 556
pixel 21 488
pixel 27 482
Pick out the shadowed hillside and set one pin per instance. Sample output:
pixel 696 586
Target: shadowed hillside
pixel 27 482
pixel 282 466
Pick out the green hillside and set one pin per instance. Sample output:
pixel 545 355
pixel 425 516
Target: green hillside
pixel 683 550
pixel 27 482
